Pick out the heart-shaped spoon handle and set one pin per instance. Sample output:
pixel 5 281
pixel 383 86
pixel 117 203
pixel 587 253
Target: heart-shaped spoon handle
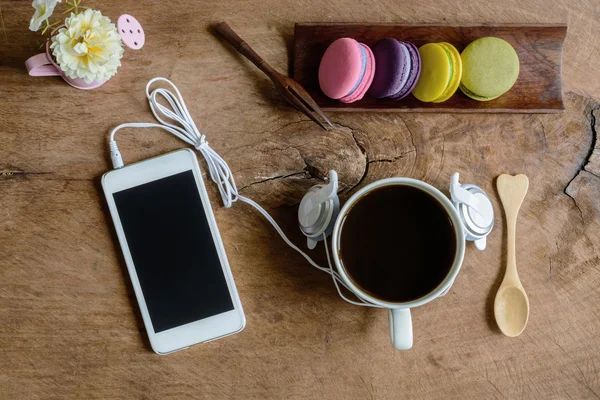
pixel 512 191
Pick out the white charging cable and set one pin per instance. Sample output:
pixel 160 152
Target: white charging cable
pixel 185 129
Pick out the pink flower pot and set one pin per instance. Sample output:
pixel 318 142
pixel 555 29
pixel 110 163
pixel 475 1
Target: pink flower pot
pixel 43 64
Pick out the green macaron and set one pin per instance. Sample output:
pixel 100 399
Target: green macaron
pixel 490 68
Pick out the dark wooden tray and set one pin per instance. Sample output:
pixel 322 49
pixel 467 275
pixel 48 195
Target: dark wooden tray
pixel 538 89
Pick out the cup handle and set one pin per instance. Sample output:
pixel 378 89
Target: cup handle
pixel 401 332
pixel 39 65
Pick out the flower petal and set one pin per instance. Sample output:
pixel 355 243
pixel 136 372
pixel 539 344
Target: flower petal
pixel 89 47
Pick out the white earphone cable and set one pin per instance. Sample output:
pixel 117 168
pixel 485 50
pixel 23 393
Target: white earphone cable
pixel 186 130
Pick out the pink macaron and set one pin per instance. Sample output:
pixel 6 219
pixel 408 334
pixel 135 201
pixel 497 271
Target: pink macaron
pixel 346 70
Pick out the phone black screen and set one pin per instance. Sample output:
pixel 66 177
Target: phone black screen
pixel 173 251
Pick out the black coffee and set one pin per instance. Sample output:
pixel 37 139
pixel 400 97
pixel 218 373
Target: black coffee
pixel 397 243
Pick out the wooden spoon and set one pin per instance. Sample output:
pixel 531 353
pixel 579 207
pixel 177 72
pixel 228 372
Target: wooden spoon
pixel 511 307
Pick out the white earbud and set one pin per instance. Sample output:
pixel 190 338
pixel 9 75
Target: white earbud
pixel 318 210
pixel 320 206
pixel 475 210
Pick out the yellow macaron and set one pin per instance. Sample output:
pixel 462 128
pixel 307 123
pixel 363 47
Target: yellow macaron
pixel 455 72
pixel 441 71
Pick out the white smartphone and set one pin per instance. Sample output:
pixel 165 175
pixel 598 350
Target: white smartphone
pixel 173 251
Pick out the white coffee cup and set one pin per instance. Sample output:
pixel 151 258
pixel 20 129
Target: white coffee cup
pixel 401 331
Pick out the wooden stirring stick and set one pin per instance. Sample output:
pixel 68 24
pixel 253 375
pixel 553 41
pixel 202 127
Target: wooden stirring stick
pixel 288 88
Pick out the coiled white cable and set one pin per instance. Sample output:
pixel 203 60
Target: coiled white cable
pixel 185 129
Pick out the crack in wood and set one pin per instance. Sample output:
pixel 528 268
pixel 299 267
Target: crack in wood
pixel 575 203
pixel 412 138
pixel 309 171
pixel 312 172
pixel 305 174
pixel 362 149
pixel 352 130
pixel 262 135
pixel 493 385
pixel 369 161
pixel 393 159
pixel 370 389
pixel 586 160
pixel 362 178
pixel 443 151
pixel 412 141
pixel 301 121
pixel 543 133
pixel 550 258
pixel 71 179
pixel 20 172
pixel 16 174
pixel 585 381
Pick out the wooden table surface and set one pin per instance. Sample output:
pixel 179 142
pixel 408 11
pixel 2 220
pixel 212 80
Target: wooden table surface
pixel 69 325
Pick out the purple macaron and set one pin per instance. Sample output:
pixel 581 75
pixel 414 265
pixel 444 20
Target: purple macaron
pixel 398 69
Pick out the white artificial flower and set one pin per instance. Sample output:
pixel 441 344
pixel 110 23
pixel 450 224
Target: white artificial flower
pixel 43 11
pixel 88 47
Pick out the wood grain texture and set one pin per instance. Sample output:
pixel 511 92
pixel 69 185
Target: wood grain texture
pixel 537 90
pixel 69 327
